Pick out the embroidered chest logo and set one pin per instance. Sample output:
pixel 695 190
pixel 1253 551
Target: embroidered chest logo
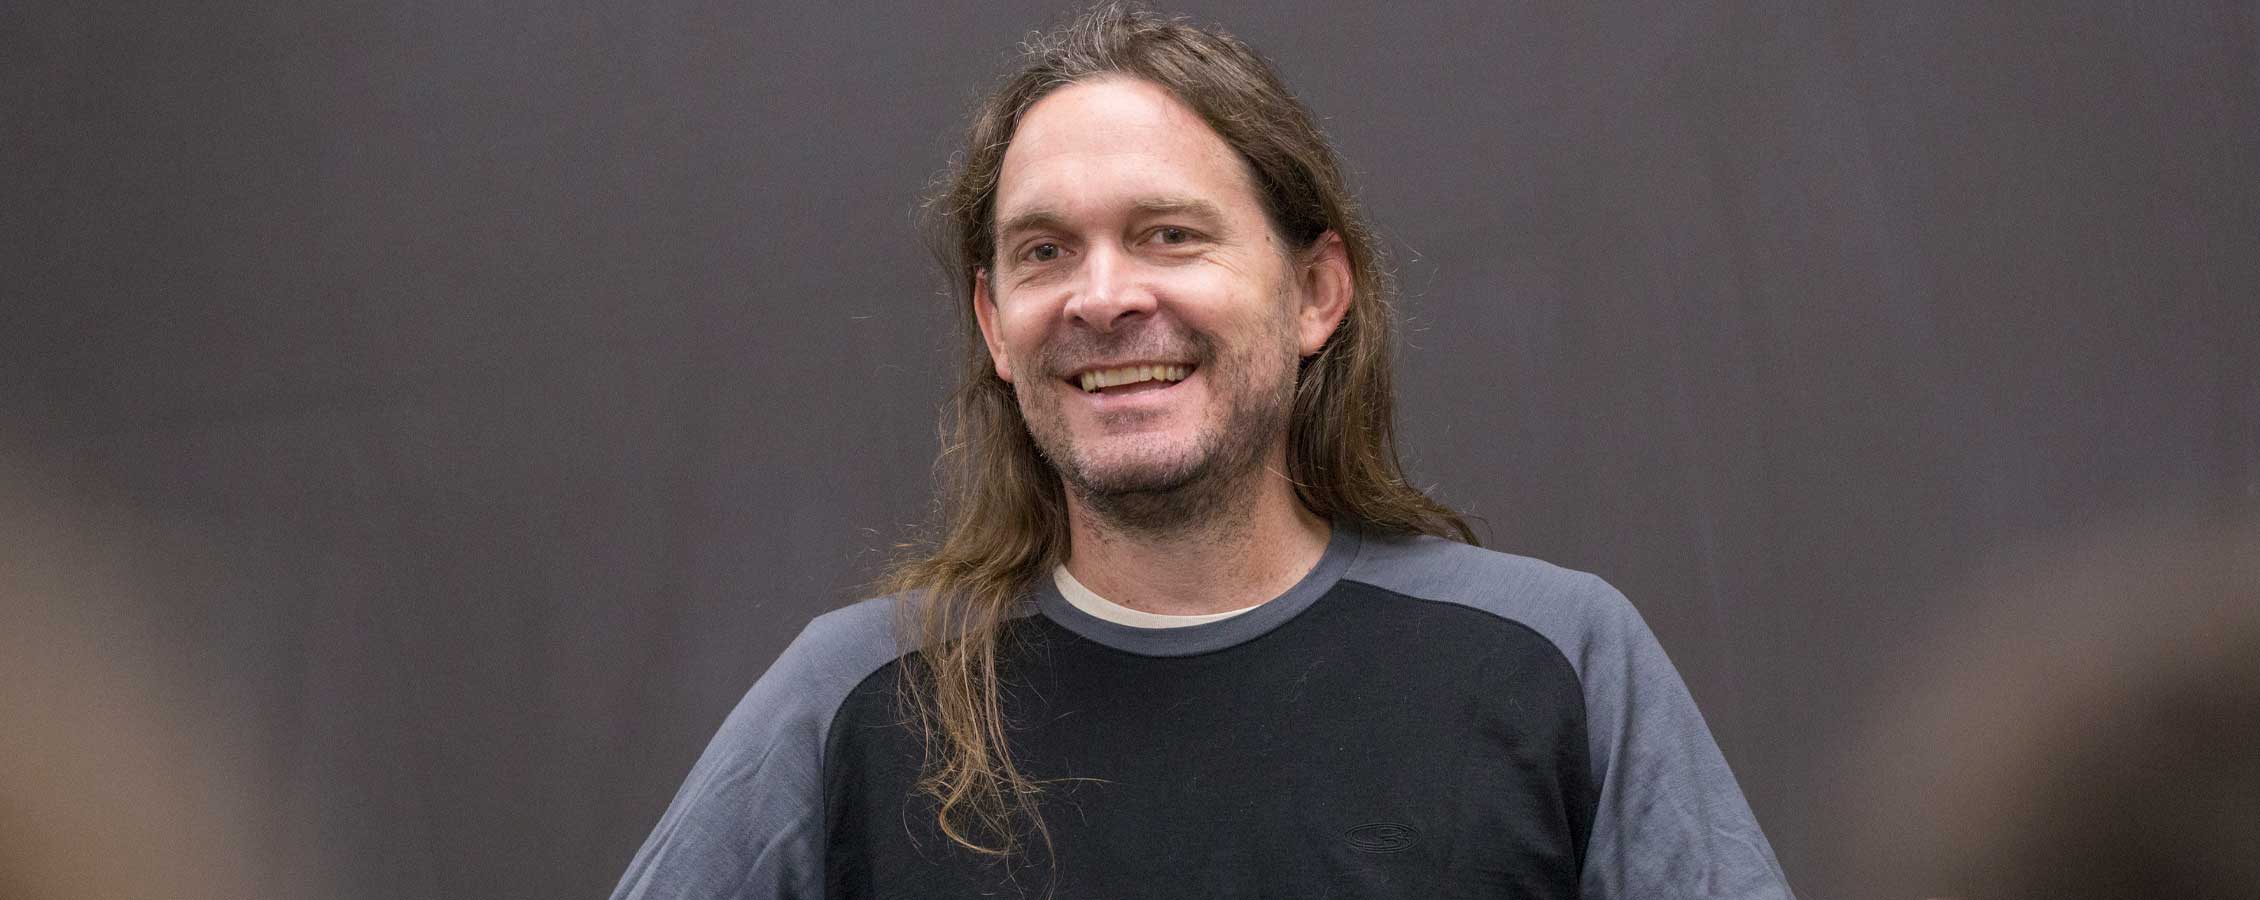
pixel 1381 837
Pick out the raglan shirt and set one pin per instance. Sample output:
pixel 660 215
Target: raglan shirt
pixel 1417 718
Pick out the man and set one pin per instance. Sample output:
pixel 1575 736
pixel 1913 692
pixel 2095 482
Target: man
pixel 1186 632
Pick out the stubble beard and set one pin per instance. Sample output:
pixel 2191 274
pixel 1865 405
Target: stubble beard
pixel 1179 491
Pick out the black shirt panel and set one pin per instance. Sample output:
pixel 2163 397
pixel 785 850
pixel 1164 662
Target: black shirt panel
pixel 1373 746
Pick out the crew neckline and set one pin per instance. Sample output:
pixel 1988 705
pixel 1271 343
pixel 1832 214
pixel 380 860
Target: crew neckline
pixel 1087 600
pixel 1232 628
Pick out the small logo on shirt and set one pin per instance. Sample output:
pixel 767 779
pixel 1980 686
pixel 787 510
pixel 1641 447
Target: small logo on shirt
pixel 1381 837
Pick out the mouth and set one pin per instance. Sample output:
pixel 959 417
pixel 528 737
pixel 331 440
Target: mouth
pixel 1131 379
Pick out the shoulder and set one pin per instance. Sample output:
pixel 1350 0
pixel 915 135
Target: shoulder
pixel 795 699
pixel 1581 614
pixel 863 632
pixel 839 649
pixel 761 776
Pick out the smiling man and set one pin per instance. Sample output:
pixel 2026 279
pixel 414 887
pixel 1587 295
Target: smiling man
pixel 1185 631
pixel 1150 321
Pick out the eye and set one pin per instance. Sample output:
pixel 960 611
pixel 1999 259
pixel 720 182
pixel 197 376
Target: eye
pixel 1171 234
pixel 1044 252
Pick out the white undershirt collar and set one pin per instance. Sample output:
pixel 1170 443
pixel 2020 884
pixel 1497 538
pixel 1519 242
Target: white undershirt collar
pixel 1100 607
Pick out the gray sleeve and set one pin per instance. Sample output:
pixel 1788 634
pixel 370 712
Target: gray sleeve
pixel 1671 822
pixel 748 824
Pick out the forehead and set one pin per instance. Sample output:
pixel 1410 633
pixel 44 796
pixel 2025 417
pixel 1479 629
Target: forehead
pixel 1103 145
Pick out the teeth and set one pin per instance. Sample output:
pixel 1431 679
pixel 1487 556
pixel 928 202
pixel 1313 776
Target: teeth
pixel 1093 381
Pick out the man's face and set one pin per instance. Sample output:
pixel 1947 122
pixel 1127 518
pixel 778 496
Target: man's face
pixel 1131 248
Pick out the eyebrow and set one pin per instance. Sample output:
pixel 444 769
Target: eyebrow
pixel 1045 219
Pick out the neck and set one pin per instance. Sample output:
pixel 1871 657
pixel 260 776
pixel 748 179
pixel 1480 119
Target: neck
pixel 1254 545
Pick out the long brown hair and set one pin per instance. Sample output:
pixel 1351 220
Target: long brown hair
pixel 1002 514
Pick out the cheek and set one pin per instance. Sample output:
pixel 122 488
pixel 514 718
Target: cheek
pixel 1259 331
pixel 1023 332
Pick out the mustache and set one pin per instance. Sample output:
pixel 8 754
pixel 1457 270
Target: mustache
pixel 1077 348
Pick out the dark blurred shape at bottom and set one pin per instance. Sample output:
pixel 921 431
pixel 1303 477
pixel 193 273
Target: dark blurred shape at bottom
pixel 2088 727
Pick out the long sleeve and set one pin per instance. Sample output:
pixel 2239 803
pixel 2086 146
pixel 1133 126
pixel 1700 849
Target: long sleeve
pixel 748 824
pixel 1668 821
pixel 1671 822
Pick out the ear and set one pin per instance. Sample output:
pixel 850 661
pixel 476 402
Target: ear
pixel 1325 284
pixel 985 313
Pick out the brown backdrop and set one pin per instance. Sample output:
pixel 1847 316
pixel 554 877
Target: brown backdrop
pixel 442 412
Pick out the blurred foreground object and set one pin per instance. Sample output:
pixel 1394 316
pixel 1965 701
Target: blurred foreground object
pixel 2090 728
pixel 118 778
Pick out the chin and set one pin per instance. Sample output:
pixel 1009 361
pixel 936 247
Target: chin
pixel 1156 496
pixel 1143 468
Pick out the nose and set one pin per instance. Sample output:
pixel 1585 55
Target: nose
pixel 1112 293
